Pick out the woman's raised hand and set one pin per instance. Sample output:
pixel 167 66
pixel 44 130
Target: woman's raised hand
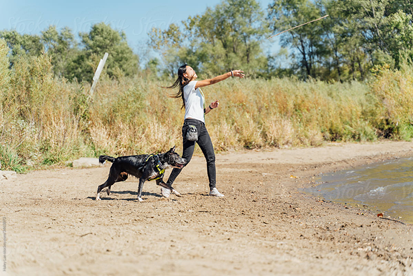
pixel 238 73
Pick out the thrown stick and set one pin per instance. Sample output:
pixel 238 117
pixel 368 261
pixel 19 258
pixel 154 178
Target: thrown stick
pixel 298 26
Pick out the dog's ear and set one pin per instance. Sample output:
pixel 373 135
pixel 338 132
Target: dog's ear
pixel 172 149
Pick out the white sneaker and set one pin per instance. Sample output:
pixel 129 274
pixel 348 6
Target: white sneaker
pixel 165 192
pixel 214 192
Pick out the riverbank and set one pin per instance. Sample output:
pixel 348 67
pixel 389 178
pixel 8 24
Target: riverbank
pixel 263 226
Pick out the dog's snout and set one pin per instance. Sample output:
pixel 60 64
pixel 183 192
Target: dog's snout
pixel 184 160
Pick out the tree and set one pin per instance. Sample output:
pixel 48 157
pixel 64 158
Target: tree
pixel 343 44
pixel 61 47
pixel 168 43
pixel 225 37
pixel 400 46
pixel 22 45
pixel 371 18
pixel 357 35
pixel 306 41
pixel 152 66
pixel 101 39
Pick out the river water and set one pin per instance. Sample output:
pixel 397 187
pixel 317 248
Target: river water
pixel 386 187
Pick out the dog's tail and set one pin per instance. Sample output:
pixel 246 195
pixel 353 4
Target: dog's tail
pixel 103 158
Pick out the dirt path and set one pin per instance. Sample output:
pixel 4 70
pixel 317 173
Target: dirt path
pixel 263 226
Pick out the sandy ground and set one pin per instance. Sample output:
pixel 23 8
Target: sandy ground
pixel 263 226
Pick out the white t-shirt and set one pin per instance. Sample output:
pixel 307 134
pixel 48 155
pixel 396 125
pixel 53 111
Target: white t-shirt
pixel 194 102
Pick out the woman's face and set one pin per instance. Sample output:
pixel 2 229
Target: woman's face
pixel 190 73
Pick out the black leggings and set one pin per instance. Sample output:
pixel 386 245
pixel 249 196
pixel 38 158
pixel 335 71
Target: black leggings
pixel 205 143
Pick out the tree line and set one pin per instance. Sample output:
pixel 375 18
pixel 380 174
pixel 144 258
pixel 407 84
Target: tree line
pixel 72 59
pixel 358 37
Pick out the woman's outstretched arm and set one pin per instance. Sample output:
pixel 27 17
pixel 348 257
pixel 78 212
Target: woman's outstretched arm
pixel 236 73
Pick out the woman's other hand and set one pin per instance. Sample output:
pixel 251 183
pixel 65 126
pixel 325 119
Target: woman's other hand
pixel 214 104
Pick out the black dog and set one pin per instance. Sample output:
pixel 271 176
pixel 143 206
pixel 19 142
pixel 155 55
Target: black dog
pixel 145 167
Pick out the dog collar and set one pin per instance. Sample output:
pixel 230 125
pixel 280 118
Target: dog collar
pixel 158 165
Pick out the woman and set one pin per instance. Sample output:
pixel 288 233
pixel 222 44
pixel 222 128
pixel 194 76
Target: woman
pixel 193 101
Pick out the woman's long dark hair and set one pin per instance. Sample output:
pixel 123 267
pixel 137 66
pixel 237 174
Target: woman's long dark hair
pixel 181 81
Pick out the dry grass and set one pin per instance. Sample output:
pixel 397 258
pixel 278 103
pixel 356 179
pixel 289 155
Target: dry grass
pixel 45 120
pixel 394 91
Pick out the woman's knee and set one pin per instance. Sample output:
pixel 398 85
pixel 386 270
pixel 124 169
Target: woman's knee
pixel 210 159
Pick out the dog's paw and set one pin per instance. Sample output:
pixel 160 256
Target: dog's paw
pixel 140 199
pixel 97 198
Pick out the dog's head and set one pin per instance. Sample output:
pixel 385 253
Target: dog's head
pixel 172 159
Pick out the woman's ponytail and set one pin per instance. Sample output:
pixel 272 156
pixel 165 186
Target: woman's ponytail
pixel 181 81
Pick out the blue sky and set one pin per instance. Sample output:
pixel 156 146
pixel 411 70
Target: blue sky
pixel 135 18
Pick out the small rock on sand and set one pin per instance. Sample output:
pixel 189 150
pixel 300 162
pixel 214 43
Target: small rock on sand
pixel 86 162
pixel 7 175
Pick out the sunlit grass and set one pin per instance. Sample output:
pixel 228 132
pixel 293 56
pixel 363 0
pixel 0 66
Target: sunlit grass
pixel 45 120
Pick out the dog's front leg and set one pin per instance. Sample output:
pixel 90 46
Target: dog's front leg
pixel 163 184
pixel 141 181
pixel 166 186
